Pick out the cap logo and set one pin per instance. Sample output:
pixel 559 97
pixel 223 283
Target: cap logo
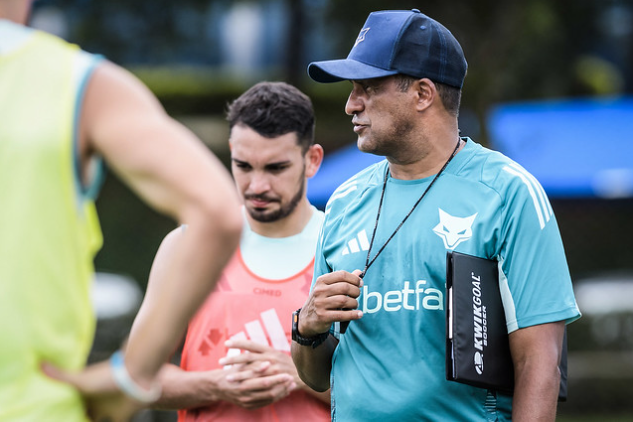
pixel 361 36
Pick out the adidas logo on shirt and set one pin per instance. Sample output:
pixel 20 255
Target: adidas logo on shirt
pixel 357 244
pixel 255 331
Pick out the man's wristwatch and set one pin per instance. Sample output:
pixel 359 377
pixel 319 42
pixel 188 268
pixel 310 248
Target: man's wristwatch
pixel 309 341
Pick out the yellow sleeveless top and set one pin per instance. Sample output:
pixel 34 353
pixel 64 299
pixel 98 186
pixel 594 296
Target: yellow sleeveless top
pixel 49 231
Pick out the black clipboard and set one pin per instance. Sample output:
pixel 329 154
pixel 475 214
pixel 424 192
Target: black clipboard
pixel 477 347
pixel 470 280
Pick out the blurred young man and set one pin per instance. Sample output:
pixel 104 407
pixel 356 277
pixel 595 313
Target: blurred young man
pixel 435 192
pixel 61 110
pixel 236 363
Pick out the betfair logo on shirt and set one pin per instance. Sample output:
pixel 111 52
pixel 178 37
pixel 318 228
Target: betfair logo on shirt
pixel 412 297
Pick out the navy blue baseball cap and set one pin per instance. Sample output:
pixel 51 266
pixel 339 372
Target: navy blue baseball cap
pixel 398 42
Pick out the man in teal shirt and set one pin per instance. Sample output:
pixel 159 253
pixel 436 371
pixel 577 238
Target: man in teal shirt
pixel 387 230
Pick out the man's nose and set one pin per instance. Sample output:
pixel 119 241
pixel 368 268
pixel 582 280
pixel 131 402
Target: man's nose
pixel 259 183
pixel 355 103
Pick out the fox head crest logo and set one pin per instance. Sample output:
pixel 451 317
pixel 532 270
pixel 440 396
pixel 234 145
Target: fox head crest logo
pixel 454 230
pixel 361 36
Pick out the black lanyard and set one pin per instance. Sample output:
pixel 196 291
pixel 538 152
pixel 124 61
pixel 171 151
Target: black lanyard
pixel 382 196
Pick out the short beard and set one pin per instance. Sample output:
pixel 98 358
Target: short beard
pixel 283 211
pixel 393 144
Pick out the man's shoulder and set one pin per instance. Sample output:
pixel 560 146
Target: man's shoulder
pixel 498 172
pixel 487 160
pixel 13 36
pixel 354 187
pixel 43 47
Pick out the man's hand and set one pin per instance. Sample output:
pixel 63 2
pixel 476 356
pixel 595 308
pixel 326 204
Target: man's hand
pixel 277 361
pixel 258 377
pixel 331 295
pixel 104 401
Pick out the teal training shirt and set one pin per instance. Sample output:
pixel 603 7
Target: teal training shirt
pixel 390 365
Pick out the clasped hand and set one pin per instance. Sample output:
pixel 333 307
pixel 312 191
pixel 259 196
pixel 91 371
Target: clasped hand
pixel 257 377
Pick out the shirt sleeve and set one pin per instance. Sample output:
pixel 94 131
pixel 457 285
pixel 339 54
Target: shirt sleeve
pixel 535 282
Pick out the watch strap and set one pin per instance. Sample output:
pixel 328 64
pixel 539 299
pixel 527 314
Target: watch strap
pixel 306 341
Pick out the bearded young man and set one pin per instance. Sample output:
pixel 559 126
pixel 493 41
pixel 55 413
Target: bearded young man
pixel 236 362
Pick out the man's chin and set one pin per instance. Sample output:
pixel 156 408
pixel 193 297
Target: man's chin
pixel 263 216
pixel 369 149
pixel 364 145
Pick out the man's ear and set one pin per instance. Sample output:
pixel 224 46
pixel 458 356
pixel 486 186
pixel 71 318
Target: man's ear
pixel 314 158
pixel 426 93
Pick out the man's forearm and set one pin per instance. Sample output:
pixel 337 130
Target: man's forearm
pixel 183 389
pixel 186 280
pixel 536 352
pixel 314 365
pixel 536 393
